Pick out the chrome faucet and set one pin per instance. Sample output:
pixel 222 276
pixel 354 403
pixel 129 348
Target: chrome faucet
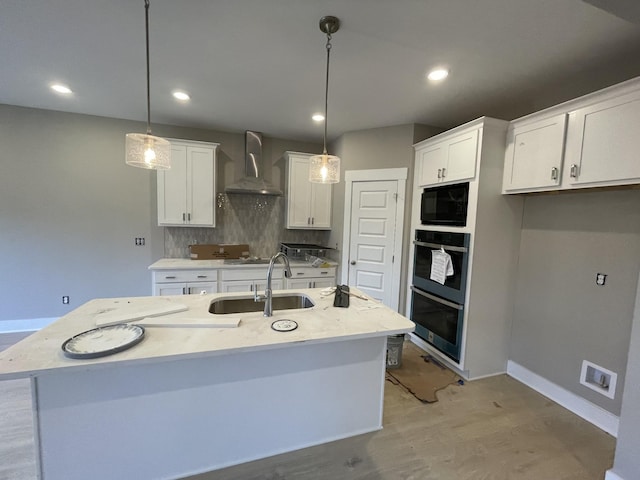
pixel 268 303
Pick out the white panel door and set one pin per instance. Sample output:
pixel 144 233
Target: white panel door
pixel 373 218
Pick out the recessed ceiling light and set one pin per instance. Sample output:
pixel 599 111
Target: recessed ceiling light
pixel 438 74
pixel 317 117
pixel 182 96
pixel 56 87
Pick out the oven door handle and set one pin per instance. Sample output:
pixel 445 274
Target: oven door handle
pixel 451 248
pixel 437 299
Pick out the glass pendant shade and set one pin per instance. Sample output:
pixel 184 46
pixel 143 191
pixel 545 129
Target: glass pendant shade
pixel 147 151
pixel 324 168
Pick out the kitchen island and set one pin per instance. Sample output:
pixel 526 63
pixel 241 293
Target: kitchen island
pixel 188 400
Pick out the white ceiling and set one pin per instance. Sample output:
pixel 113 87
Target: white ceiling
pixel 260 64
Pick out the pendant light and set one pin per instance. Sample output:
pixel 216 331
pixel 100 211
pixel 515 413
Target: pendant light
pixel 325 168
pixel 145 150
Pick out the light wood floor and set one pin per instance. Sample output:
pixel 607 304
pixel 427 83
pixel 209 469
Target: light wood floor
pixel 490 429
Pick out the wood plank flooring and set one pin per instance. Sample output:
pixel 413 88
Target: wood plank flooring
pixel 490 429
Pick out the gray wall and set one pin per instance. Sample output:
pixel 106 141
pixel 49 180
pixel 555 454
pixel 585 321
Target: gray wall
pixel 627 460
pixel 561 316
pixel 70 207
pixel 389 147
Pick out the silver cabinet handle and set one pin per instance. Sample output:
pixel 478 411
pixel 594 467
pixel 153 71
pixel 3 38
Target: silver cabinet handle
pixel 444 171
pixel 554 173
pixel 439 173
pixel 308 220
pixel 184 290
pixel 574 171
pixel 313 285
pixel 184 217
pixel 312 220
pixel 170 277
pixel 189 216
pixel 202 276
pixel 324 273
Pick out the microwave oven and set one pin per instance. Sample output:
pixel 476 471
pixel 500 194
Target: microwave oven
pixel 445 205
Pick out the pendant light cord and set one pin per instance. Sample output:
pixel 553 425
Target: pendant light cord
pixel 146 25
pixel 326 95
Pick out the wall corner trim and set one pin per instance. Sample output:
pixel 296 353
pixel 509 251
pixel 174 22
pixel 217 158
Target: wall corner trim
pixel 609 475
pixel 592 413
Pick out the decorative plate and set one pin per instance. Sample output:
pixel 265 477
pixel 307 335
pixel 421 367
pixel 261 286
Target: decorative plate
pixel 102 341
pixel 284 325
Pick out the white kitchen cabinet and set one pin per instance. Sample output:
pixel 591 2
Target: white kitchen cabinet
pixel 603 142
pixel 533 158
pixel 311 277
pixel 186 192
pixel 308 204
pixel 590 141
pixel 247 279
pixel 447 158
pixel 184 282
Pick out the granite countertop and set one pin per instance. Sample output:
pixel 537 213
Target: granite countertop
pixel 40 353
pixel 188 264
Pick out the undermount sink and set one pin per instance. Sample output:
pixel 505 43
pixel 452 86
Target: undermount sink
pixel 285 301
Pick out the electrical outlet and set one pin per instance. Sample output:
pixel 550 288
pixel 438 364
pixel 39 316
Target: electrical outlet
pixel 139 241
pixel 601 278
pixel 65 299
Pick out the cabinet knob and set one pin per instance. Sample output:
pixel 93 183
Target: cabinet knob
pixel 353 262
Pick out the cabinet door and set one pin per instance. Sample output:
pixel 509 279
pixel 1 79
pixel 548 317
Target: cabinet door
pixel 604 141
pixel 161 289
pixel 323 282
pixel 533 158
pixel 431 160
pixel 172 189
pixel 462 152
pixel 298 193
pixel 201 194
pixel 200 287
pixel 293 283
pixel 237 286
pixel 320 205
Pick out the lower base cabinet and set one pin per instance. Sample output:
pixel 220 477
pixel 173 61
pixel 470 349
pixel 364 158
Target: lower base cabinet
pixel 239 280
pixel 196 288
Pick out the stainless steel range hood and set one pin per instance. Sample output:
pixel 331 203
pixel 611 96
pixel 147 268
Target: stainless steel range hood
pixel 253 183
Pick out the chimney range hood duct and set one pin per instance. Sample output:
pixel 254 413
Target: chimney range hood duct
pixel 253 183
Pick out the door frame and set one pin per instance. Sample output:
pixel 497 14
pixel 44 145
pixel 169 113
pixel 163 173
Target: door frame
pixel 377 175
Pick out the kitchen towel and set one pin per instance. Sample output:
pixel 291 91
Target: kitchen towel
pixel 441 266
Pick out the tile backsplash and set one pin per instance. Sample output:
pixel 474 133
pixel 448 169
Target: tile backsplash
pixel 256 220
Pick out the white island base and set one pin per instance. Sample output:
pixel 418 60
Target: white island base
pixel 168 420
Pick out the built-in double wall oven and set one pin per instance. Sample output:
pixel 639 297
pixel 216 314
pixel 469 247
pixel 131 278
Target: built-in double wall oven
pixel 438 309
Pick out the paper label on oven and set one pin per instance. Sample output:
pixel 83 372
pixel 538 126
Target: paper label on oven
pixel 441 266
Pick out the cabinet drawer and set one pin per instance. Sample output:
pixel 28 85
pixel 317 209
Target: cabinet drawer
pixel 245 273
pixel 310 272
pixel 174 276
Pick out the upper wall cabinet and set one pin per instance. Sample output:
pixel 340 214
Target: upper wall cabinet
pixel 600 147
pixel 308 204
pixel 604 142
pixel 447 160
pixel 533 158
pixel 186 192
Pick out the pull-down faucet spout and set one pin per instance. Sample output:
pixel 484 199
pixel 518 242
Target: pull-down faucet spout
pixel 268 303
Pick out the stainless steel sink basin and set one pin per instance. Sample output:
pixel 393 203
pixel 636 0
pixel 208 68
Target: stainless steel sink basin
pixel 284 301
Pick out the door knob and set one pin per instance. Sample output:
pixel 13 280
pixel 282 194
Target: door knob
pixel 353 262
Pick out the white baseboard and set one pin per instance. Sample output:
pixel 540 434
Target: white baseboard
pixel 609 475
pixel 25 325
pixel 592 413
